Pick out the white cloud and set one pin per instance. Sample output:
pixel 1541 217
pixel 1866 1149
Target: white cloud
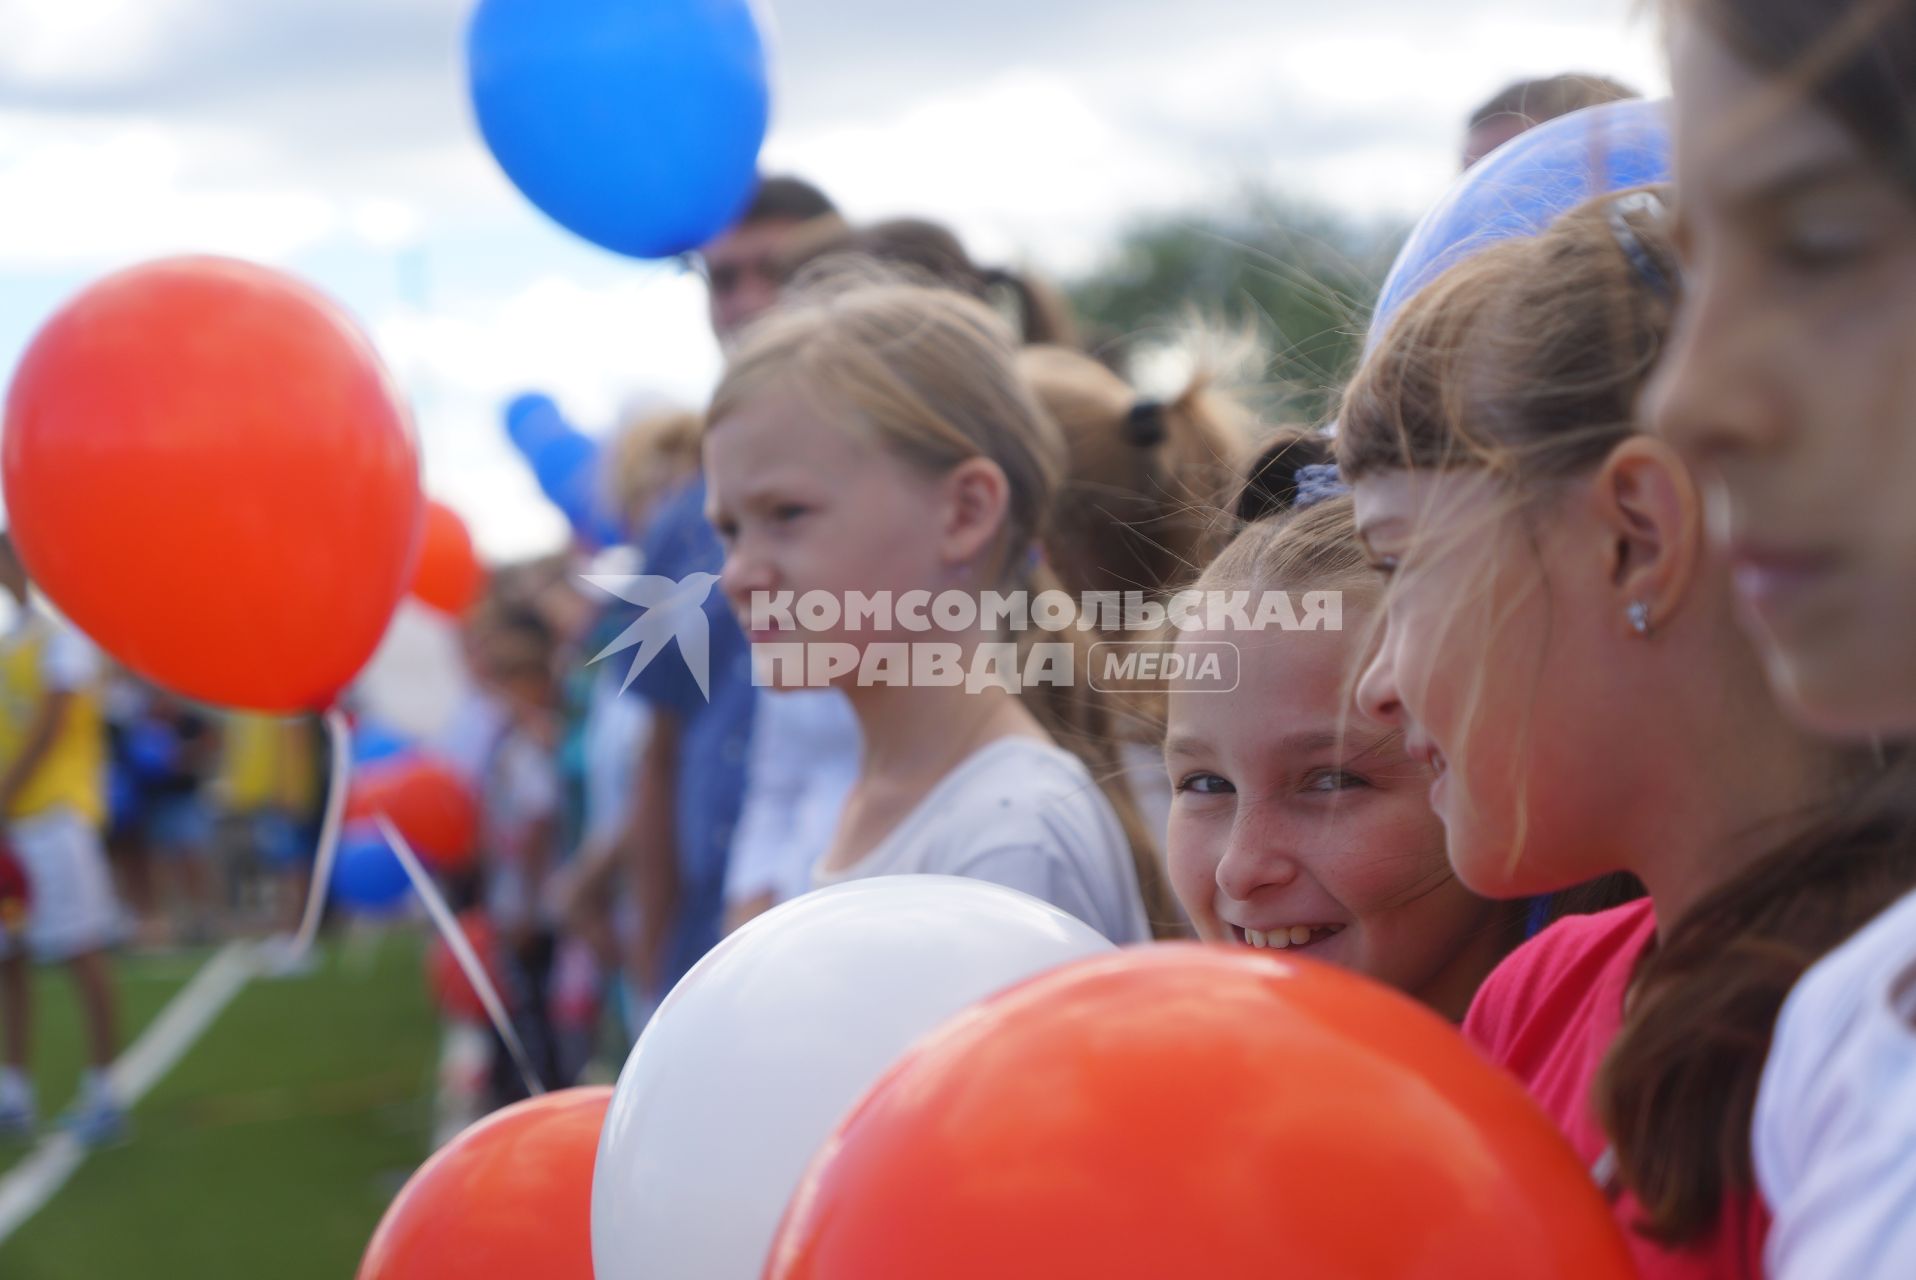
pixel 86 42
pixel 595 348
pixel 113 191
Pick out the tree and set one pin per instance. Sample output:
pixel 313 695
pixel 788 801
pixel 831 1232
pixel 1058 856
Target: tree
pixel 1301 279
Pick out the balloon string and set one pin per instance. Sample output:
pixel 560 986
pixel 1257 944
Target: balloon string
pixel 339 736
pixel 455 937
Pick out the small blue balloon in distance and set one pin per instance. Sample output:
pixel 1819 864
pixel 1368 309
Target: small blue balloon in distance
pixel 566 463
pixel 1528 183
pixel 367 876
pixel 373 742
pixel 633 123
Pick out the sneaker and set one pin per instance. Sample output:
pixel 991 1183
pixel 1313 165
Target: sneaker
pixel 96 1124
pixel 17 1122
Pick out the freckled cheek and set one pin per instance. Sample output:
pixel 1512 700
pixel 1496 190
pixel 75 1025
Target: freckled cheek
pixel 1387 859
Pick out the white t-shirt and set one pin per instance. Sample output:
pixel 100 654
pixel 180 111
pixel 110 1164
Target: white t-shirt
pixel 1834 1137
pixel 805 757
pixel 1028 815
pixel 618 728
pixel 521 791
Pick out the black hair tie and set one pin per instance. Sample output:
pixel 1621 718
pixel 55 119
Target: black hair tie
pixel 1144 426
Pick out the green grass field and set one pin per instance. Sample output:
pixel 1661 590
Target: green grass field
pixel 271 1148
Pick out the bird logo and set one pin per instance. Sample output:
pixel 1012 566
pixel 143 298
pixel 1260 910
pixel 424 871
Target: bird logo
pixel 674 609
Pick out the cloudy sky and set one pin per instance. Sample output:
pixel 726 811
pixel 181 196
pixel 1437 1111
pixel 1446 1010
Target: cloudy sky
pixel 333 138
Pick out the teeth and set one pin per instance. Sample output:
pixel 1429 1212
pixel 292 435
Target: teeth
pixel 1284 936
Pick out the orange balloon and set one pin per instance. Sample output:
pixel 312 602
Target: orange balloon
pixel 449 577
pixel 451 988
pixel 427 800
pixel 1188 1111
pixel 511 1197
pixel 208 469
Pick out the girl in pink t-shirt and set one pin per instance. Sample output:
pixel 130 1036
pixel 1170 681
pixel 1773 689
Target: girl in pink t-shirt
pixel 1560 647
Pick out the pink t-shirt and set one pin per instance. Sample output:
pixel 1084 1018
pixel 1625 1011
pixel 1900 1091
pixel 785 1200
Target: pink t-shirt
pixel 1547 1014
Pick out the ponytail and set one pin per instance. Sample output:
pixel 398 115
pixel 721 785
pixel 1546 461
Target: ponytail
pixel 1043 314
pixel 1677 1091
pixel 1083 721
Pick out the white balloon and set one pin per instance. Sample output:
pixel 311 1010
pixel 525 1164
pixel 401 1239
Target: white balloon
pixel 761 1049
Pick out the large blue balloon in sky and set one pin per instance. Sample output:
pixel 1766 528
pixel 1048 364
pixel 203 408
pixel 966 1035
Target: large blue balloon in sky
pixel 635 123
pixel 1526 184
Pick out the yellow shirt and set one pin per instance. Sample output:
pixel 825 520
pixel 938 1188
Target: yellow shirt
pixel 37 661
pixel 269 763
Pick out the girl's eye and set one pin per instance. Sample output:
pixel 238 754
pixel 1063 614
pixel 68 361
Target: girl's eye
pixel 1204 784
pixel 1385 566
pixel 1828 243
pixel 785 512
pixel 1327 780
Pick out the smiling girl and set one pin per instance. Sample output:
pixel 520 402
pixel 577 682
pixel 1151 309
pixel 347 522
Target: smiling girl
pixel 875 438
pixel 1792 382
pixel 1561 647
pixel 1299 824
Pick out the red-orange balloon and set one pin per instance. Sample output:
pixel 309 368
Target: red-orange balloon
pixel 449 577
pixel 451 988
pixel 1187 1111
pixel 427 800
pixel 511 1197
pixel 207 468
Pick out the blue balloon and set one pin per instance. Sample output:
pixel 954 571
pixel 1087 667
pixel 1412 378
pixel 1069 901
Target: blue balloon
pixel 1525 185
pixel 373 741
pixel 633 123
pixel 367 876
pixel 565 462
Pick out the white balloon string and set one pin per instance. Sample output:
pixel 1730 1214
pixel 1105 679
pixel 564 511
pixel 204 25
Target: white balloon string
pixel 448 926
pixel 339 736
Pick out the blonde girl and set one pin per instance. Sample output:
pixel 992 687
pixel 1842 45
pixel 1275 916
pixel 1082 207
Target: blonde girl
pixel 874 437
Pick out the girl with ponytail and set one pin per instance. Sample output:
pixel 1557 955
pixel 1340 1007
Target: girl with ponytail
pixel 873 437
pixel 1560 645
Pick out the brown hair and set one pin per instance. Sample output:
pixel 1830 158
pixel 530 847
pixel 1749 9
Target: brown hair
pixel 782 198
pixel 1142 504
pixel 1526 361
pixel 930 375
pixel 1535 101
pixel 1855 58
pixel 933 254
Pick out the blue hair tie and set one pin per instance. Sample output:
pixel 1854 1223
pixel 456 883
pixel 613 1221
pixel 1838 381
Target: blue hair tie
pixel 1317 483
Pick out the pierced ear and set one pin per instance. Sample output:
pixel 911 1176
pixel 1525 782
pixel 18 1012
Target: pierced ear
pixel 1649 502
pixel 976 498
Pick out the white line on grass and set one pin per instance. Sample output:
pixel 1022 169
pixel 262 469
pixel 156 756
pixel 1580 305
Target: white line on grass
pixel 36 1179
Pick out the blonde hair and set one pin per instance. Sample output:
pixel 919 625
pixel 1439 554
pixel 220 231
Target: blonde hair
pixel 925 373
pixel 652 453
pixel 1142 507
pixel 930 375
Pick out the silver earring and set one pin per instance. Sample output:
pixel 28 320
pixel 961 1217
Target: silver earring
pixel 1639 615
